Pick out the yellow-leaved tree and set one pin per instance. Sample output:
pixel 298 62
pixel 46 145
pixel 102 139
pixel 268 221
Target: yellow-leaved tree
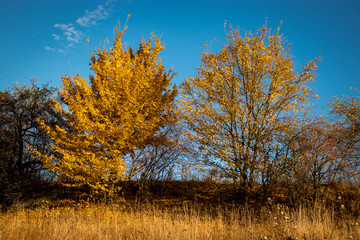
pixel 243 104
pixel 347 109
pixel 118 109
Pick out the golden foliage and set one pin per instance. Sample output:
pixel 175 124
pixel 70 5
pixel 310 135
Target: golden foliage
pixel 127 100
pixel 347 108
pixel 243 102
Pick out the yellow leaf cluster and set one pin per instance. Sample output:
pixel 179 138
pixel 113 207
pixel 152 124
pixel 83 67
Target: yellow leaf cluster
pixel 119 108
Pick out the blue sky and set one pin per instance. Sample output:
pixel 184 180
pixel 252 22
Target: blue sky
pixel 47 38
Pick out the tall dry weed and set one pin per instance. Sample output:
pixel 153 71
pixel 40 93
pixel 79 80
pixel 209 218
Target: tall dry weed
pixel 90 222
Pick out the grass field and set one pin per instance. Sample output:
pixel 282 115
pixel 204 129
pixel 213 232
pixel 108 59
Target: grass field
pixel 188 221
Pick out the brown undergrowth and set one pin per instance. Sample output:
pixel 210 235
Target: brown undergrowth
pixel 182 210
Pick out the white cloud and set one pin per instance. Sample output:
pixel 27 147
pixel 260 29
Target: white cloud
pixel 56 37
pixel 47 48
pixel 72 35
pixel 90 18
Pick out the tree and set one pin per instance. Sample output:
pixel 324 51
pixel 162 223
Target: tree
pixel 347 109
pixel 124 104
pixel 316 159
pixel 243 103
pixel 157 160
pixel 20 132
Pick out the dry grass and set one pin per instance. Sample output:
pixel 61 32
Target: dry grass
pixel 87 222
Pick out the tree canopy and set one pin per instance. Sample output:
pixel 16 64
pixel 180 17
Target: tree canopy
pixel 119 108
pixel 20 107
pixel 243 103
